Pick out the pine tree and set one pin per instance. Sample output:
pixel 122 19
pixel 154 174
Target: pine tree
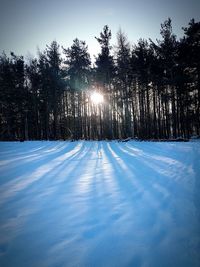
pixel 191 53
pixel 56 85
pixel 124 79
pixel 104 74
pixel 166 51
pixel 34 103
pixel 13 97
pixel 78 76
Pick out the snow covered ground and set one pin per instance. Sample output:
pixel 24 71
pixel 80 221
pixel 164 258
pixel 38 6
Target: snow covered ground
pixel 103 204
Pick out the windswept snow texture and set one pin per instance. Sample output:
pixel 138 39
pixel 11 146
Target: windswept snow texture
pixel 99 204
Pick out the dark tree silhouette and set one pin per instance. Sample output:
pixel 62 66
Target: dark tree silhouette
pixel 151 90
pixel 78 76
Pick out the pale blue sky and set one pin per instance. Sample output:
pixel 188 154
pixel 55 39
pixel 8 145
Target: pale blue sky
pixel 26 24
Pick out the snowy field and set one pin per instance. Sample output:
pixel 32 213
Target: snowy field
pixel 103 204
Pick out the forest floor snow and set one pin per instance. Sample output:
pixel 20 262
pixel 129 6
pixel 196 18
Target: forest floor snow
pixel 89 203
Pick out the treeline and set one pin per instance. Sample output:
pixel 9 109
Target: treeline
pixel 150 89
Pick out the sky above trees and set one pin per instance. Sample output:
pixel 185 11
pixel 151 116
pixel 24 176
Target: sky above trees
pixel 26 24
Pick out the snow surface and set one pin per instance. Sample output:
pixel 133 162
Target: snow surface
pixel 102 203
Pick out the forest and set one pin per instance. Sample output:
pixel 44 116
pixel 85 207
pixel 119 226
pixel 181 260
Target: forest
pixel 151 90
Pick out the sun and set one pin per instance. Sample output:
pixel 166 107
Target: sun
pixel 96 98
